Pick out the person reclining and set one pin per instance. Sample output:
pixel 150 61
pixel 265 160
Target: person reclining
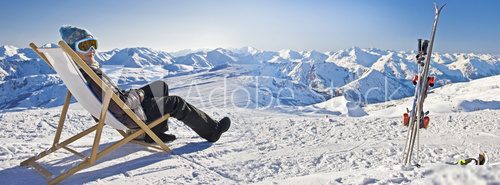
pixel 149 102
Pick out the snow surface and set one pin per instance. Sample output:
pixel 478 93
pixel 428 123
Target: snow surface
pixel 268 146
pixel 296 118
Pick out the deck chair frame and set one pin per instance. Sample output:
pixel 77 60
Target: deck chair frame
pixel 89 161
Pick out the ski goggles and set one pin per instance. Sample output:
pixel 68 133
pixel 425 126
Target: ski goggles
pixel 85 45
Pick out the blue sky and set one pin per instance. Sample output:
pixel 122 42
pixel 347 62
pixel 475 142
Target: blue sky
pixel 465 26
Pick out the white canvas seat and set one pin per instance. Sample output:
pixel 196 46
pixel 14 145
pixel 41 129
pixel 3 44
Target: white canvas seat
pixel 71 76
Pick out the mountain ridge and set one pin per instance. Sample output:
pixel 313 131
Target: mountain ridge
pixel 327 74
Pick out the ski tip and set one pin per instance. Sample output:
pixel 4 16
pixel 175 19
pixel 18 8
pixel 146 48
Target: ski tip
pixel 437 8
pixel 442 7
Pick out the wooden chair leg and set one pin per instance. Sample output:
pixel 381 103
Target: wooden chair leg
pixel 87 162
pixel 62 118
pixel 58 146
pixel 95 147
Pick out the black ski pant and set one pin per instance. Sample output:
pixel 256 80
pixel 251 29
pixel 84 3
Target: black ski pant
pixel 157 103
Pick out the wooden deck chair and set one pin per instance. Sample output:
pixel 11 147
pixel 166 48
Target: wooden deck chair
pixel 66 62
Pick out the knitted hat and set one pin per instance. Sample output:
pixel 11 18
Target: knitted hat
pixel 71 34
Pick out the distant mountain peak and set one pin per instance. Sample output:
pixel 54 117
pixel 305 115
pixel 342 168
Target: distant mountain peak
pixel 7 51
pixel 247 50
pixel 139 57
pixel 289 54
pixel 50 45
pixel 8 47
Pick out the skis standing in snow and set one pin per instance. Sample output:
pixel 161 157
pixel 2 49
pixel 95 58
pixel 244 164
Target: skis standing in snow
pixel 417 118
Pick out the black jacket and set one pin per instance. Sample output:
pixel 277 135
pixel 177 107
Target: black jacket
pixel 132 99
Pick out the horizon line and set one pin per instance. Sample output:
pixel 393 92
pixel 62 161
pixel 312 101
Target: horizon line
pixel 195 50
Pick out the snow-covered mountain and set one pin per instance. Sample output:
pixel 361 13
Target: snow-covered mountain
pixel 202 59
pixel 475 66
pixel 20 62
pixel 355 57
pixel 7 51
pixel 139 58
pixel 217 57
pixel 187 51
pixel 360 75
pixel 33 91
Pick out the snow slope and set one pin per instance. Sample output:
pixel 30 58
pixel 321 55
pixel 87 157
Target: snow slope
pixel 458 97
pixel 268 146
